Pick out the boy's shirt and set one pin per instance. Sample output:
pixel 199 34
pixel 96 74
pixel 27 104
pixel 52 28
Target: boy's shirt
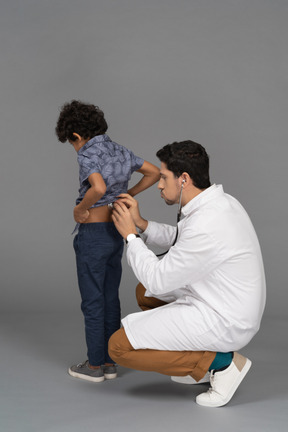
pixel 114 162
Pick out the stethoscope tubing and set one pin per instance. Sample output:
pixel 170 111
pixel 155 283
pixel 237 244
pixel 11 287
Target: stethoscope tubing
pixel 178 220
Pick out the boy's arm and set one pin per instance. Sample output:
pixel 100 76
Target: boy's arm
pixel 93 194
pixel 151 174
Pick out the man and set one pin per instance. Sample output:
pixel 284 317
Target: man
pixel 205 298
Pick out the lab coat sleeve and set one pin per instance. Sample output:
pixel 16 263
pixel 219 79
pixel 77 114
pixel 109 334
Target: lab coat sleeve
pixel 192 257
pixel 159 234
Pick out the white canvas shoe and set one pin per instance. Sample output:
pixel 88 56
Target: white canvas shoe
pixel 189 380
pixel 225 383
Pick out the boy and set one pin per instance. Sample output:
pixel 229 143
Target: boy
pixel 105 168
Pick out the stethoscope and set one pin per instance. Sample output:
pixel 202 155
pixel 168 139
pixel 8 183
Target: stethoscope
pixel 178 219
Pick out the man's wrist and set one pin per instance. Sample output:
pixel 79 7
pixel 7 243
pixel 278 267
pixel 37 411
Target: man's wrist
pixel 131 236
pixel 142 224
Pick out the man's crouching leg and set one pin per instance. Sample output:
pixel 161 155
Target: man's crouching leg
pixel 119 348
pixel 178 363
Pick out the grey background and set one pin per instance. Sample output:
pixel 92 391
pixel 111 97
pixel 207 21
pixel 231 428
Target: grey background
pixel 211 71
pixel 214 71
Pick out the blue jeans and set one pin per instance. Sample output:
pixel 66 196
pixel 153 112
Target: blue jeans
pixel 99 247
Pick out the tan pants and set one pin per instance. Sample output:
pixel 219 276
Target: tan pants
pixel 172 363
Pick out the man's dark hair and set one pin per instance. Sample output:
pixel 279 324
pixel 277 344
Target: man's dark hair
pixel 87 120
pixel 187 156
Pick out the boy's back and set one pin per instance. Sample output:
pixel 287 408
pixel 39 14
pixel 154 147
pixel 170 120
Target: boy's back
pixel 114 162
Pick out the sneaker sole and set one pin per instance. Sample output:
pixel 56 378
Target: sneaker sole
pixel 189 380
pixel 242 375
pixel 85 377
pixel 110 376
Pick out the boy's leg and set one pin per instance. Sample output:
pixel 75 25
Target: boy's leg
pixel 90 259
pixel 147 303
pixel 111 289
pixel 180 363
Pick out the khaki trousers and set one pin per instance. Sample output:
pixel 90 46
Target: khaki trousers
pixel 172 363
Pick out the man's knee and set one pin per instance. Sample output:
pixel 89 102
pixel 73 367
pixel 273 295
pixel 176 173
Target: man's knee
pixel 118 345
pixel 147 303
pixel 140 295
pixel 113 346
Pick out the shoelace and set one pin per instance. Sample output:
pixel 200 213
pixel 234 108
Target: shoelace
pixel 213 378
pixel 80 365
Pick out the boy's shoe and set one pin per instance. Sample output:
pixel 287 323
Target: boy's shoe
pixel 83 371
pixel 225 383
pixel 189 380
pixel 110 372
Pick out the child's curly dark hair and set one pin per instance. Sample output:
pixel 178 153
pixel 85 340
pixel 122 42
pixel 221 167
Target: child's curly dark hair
pixel 87 120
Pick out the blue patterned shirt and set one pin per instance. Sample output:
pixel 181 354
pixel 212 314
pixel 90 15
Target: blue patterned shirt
pixel 114 162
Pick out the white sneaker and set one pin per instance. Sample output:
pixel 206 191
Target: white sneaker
pixel 225 383
pixel 189 380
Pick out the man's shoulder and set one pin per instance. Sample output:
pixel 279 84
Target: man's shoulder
pixel 206 216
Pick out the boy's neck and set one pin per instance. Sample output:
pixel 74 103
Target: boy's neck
pixel 79 143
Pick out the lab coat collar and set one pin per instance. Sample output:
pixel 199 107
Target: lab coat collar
pixel 212 192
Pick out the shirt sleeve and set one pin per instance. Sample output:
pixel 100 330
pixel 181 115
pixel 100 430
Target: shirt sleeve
pixel 136 162
pixel 192 257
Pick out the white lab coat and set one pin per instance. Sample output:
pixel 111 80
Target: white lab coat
pixel 213 279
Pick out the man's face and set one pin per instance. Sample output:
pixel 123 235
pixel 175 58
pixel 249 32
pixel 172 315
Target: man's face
pixel 169 185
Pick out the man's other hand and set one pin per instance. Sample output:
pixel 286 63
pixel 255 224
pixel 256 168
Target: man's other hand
pixel 133 207
pixel 123 220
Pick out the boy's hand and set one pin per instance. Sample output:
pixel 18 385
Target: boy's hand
pixel 80 215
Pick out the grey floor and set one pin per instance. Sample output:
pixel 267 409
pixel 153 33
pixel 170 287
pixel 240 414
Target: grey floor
pixel 37 394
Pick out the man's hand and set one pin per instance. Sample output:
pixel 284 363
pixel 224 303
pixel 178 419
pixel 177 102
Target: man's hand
pixel 133 207
pixel 80 215
pixel 123 220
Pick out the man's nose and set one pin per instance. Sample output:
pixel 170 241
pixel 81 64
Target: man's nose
pixel 160 186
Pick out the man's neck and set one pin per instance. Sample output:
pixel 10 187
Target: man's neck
pixel 191 194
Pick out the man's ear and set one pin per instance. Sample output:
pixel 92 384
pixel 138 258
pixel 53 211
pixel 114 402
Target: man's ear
pixel 185 178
